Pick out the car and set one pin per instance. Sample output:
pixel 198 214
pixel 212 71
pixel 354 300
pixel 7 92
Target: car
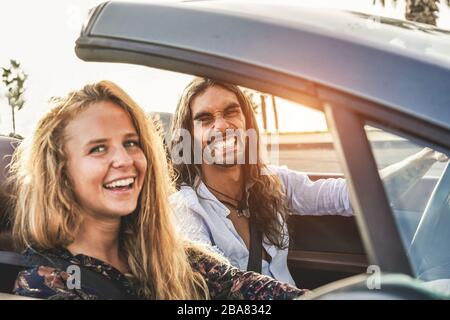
pixel 384 87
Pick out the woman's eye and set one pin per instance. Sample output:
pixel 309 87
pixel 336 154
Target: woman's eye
pixel 97 149
pixel 131 144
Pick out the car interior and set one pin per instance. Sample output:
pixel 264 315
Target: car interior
pixel 323 249
pixel 333 255
pixel 390 229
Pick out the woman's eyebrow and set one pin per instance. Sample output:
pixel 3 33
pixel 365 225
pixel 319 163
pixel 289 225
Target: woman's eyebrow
pixel 102 140
pixel 131 135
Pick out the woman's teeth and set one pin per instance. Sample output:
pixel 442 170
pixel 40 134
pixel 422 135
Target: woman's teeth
pixel 120 183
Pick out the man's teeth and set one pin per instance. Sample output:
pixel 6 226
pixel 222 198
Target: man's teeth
pixel 120 183
pixel 228 143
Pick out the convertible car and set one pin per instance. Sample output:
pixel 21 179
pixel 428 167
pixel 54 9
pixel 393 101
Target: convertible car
pixel 384 87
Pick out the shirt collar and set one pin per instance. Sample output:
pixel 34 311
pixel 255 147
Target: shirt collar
pixel 204 192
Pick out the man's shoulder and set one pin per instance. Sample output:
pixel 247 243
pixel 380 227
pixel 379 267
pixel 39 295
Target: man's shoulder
pixel 284 171
pixel 273 169
pixel 186 197
pixel 185 192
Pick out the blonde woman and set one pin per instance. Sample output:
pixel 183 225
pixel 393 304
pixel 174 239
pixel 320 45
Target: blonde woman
pixel 91 189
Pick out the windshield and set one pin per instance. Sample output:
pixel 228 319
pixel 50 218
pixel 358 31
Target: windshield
pixel 419 199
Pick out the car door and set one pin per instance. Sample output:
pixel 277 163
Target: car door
pixel 307 66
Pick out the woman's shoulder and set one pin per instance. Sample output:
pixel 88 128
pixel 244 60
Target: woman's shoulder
pixel 43 280
pixel 46 282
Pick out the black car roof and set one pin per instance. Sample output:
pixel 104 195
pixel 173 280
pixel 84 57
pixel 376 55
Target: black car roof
pixel 402 65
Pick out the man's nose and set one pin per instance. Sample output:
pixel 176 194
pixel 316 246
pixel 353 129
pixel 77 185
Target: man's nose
pixel 220 124
pixel 122 158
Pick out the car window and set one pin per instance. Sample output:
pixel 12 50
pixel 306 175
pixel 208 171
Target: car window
pixel 295 136
pixel 421 206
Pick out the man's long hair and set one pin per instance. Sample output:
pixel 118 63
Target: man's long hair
pixel 267 199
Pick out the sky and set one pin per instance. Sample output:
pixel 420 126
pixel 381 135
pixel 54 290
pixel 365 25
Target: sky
pixel 41 36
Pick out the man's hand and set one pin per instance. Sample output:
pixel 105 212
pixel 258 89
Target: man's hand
pixel 431 154
pixel 401 176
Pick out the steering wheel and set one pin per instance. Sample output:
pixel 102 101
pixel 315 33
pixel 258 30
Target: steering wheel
pixel 429 247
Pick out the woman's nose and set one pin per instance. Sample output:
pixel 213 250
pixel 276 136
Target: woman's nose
pixel 122 158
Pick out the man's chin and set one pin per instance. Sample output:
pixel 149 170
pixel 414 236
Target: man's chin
pixel 225 165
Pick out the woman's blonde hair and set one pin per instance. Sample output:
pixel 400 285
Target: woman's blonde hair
pixel 47 214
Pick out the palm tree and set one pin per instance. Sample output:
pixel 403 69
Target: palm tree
pixel 424 11
pixel 261 106
pixel 275 112
pixel 14 79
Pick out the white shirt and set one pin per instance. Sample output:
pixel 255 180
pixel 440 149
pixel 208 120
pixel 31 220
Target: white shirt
pixel 201 217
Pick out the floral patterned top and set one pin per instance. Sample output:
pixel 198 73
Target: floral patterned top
pixel 223 280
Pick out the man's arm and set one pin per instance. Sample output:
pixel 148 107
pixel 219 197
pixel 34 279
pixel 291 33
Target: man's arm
pixel 321 197
pixel 331 196
pixel 399 177
pixel 226 282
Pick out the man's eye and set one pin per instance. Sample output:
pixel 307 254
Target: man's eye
pixel 232 113
pixel 205 119
pixel 97 149
pixel 131 144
